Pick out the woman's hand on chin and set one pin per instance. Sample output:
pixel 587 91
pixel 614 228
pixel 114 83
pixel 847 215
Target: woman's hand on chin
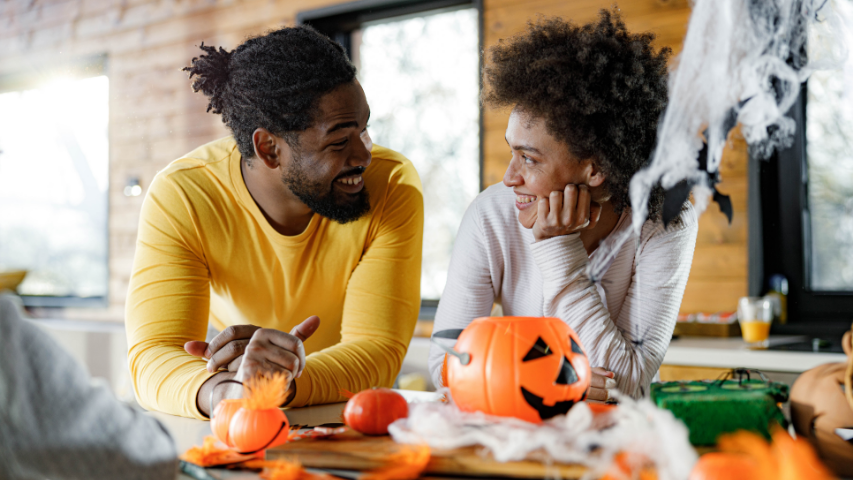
pixel 565 212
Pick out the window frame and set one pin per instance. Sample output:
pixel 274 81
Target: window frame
pixel 77 69
pixel 338 22
pixel 780 235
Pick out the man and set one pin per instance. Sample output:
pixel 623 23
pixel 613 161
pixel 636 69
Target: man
pixel 296 218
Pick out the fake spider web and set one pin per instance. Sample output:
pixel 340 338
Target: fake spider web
pixel 578 437
pixel 743 62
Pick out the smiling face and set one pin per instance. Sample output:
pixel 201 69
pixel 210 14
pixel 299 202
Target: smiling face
pixel 325 166
pixel 541 164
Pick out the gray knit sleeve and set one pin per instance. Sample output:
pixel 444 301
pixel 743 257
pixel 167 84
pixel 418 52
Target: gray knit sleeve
pixel 56 422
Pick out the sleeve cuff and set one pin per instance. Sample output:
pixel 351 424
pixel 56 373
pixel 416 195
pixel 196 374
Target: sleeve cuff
pixel 195 386
pixel 557 256
pixel 303 390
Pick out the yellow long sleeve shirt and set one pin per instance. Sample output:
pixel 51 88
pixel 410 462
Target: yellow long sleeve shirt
pixel 205 253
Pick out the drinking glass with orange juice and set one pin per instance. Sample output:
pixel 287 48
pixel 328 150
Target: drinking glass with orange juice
pixel 755 315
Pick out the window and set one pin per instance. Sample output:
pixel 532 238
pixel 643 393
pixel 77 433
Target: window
pixel 54 164
pixel 418 63
pixel 829 158
pixel 802 199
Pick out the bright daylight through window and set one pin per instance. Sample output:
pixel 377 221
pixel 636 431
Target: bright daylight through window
pixel 829 140
pixel 53 187
pixel 420 75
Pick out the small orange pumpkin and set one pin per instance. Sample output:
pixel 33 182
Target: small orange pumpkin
pixel 253 430
pixel 371 411
pixel 221 418
pixel 258 423
pixel 532 368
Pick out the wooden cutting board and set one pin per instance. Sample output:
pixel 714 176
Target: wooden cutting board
pixel 354 451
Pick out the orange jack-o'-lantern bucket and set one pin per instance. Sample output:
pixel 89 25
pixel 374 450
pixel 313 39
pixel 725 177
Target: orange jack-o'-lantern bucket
pixel 532 368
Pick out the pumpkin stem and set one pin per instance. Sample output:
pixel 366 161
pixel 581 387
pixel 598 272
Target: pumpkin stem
pixel 265 391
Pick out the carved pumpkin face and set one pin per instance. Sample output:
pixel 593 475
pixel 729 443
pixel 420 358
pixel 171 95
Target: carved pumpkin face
pixel 532 368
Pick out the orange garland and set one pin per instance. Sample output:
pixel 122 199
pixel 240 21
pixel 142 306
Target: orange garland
pixel 784 459
pixel 407 464
pixel 209 455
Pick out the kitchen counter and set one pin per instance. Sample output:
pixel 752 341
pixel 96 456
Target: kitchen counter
pixel 733 353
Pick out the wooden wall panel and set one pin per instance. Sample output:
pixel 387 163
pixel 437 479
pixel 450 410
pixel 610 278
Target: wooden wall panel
pixel 155 117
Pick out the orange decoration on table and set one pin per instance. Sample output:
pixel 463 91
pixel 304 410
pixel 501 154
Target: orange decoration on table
pixel 284 470
pixel 260 424
pixel 725 466
pixel 407 464
pixel 221 418
pixel 532 368
pixel 209 455
pixel 371 411
pixel 746 455
pixel 631 466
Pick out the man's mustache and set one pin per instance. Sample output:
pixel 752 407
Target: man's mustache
pixel 349 173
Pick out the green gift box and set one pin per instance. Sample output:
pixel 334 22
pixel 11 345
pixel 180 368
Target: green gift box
pixel 710 408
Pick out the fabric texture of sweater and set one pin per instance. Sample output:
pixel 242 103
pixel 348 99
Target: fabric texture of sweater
pixel 625 321
pixel 56 422
pixel 206 254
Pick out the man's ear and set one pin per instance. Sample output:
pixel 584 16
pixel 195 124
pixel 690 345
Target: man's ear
pixel 266 147
pixel 595 177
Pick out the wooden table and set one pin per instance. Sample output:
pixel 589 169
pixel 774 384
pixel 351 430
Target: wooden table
pixel 188 432
pixel 343 453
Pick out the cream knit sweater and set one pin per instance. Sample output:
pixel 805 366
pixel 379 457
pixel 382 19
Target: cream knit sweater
pixel 625 321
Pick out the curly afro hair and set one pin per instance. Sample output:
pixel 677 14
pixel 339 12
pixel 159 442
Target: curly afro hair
pixel 599 88
pixel 273 81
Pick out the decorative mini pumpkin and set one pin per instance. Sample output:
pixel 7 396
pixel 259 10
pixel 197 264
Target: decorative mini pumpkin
pixel 371 411
pixel 221 418
pixel 253 430
pixel 532 368
pixel 258 423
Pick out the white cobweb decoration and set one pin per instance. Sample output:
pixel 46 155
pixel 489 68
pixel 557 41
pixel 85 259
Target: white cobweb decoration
pixel 742 62
pixel 579 437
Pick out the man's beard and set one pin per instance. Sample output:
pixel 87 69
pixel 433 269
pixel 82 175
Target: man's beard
pixel 326 200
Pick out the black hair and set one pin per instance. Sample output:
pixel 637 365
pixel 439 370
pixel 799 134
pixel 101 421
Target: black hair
pixel 599 89
pixel 273 81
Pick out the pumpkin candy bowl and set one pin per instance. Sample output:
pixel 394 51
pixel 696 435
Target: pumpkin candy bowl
pixel 531 368
pixel 371 411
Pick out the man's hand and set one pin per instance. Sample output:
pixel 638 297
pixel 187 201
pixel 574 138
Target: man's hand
pixel 565 212
pixel 601 384
pixel 226 349
pixel 271 350
pixel 246 350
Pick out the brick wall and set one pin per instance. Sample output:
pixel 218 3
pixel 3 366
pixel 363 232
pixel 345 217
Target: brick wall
pixel 155 117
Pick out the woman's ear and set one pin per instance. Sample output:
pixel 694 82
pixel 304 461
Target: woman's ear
pixel 595 177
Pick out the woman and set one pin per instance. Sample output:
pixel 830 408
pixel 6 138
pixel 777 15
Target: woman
pixel 585 103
